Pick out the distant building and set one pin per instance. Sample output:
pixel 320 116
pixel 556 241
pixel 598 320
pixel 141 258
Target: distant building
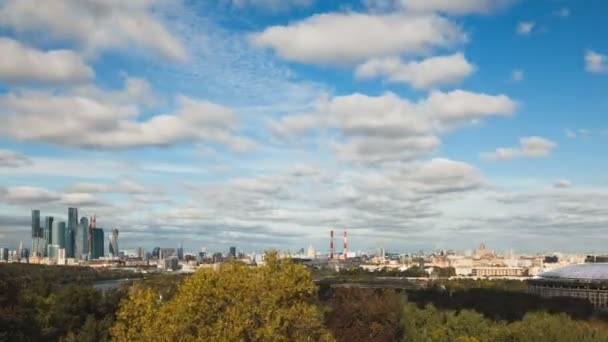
pixel 59 237
pixel 156 253
pixel 48 233
pixel 140 253
pixel 232 252
pixel 52 251
pixel 311 253
pixel 4 254
pixel 81 245
pixel 498 271
pixel 97 239
pixel 588 281
pixel 113 245
pixel 36 231
pixel 180 252
pixel 170 264
pixel 71 233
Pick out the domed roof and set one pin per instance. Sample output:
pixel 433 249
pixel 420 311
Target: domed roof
pixel 581 272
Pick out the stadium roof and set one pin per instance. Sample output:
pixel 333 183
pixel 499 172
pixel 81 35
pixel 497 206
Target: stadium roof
pixel 581 272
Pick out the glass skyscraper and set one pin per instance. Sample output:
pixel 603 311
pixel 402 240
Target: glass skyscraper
pixel 59 236
pixel 98 241
pixel 36 228
pixel 82 239
pixel 48 232
pixel 71 232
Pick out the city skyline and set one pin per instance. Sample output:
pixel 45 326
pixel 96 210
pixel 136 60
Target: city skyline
pixel 416 125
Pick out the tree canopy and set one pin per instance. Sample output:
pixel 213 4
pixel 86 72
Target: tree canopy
pixel 275 302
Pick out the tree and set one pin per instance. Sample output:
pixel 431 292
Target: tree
pixel 365 315
pixel 275 302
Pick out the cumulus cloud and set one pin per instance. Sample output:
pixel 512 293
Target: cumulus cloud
pixel 99 120
pixel 93 24
pixel 525 28
pixel 20 63
pixel 562 183
pixel 389 128
pixel 272 5
pixel 459 7
pixel 32 195
pixel 13 159
pixel 530 147
pixel 339 38
pixel 428 73
pixel 595 62
pixel 464 106
pixel 122 187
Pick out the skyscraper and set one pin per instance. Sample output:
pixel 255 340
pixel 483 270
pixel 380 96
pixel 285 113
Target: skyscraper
pixel 180 252
pixel 97 243
pixel 232 252
pixel 48 233
pixel 70 244
pixel 59 234
pixel 81 245
pixel 113 246
pixel 36 232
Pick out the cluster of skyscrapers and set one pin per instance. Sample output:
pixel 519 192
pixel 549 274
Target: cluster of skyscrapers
pixel 79 239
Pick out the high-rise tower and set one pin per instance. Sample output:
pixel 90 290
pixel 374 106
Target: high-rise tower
pixel 113 246
pixel 71 232
pixel 48 233
pixel 36 232
pixel 81 245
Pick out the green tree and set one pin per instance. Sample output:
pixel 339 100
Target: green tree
pixel 275 302
pixel 365 315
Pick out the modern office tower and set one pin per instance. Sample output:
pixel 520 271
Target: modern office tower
pixel 70 248
pixel 180 252
pixel 81 239
pixel 113 245
pixel 52 251
pixel 59 234
pixel 97 243
pixel 156 253
pixel 232 252
pixel 36 231
pixel 48 233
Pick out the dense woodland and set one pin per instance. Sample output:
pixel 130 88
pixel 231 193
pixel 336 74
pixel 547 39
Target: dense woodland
pixel 277 302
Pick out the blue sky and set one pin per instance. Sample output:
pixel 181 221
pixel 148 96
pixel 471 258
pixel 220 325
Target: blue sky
pixel 263 123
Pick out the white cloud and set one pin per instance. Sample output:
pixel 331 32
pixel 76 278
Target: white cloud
pixel 93 24
pixel 462 106
pixel 388 128
pixel 13 159
pixel 126 187
pixel 517 75
pixel 340 38
pixel 525 28
pixel 427 73
pixel 595 62
pixel 562 184
pixel 20 63
pixel 103 121
pixel 570 134
pixel 273 5
pixel 530 147
pixel 459 7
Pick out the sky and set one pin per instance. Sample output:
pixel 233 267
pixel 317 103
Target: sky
pixel 412 124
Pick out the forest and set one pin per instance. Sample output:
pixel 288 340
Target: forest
pixel 276 302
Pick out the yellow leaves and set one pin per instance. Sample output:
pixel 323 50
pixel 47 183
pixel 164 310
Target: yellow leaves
pixel 235 303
